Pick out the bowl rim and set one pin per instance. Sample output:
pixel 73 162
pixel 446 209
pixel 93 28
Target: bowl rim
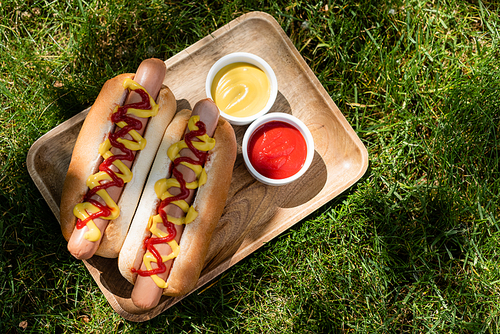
pixel 286 118
pixel 255 60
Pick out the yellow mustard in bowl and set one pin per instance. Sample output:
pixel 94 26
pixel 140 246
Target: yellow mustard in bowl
pixel 241 89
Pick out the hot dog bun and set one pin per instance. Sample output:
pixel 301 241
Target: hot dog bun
pixel 209 202
pixel 85 161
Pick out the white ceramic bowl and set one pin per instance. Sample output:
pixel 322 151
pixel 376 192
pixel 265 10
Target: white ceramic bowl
pixel 287 118
pixel 250 59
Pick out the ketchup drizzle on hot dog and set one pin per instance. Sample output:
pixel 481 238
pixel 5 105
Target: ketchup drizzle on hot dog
pixel 149 243
pixel 120 115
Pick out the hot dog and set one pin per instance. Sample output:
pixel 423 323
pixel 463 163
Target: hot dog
pixel 111 160
pixel 179 262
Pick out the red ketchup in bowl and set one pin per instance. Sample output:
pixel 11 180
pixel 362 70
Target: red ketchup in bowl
pixel 277 150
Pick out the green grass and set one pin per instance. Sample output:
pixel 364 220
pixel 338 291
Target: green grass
pixel 413 247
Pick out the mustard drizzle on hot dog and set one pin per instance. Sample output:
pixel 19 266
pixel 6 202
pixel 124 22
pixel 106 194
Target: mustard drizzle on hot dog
pixel 162 187
pixel 90 209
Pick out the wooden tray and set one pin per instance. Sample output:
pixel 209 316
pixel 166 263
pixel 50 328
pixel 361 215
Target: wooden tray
pixel 254 213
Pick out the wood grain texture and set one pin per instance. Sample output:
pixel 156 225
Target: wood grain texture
pixel 254 213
